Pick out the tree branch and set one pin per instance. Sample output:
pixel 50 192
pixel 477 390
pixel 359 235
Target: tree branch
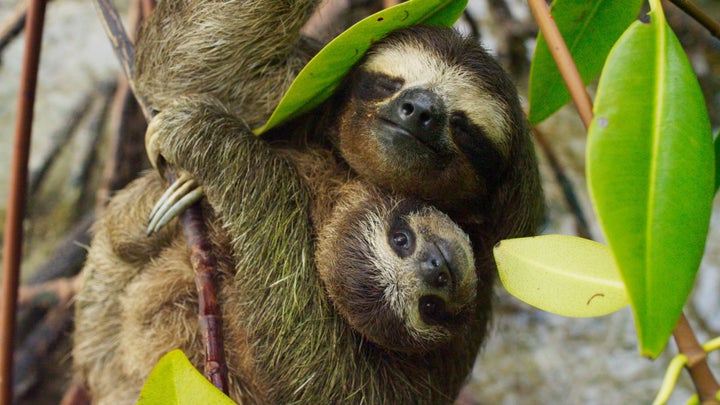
pixel 12 249
pixel 698 15
pixel 122 46
pixel 563 59
pixel 204 264
pixel 697 366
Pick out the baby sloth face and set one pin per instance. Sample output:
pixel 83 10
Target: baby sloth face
pixel 405 280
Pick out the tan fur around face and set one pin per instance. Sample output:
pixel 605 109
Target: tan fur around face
pixel 457 87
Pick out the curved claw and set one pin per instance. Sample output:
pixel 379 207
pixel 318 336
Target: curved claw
pixel 151 144
pixel 184 192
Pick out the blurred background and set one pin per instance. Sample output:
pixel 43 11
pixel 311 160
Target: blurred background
pixel 87 142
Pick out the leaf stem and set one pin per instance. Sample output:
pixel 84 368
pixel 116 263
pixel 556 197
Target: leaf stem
pixel 563 59
pixel 703 379
pixel 698 15
pixel 671 377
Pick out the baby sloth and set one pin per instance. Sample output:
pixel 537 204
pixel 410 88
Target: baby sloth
pixel 389 315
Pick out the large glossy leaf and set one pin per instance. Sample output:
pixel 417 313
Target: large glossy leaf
pixel 174 381
pixel 590 28
pixel 565 275
pixel 650 172
pixel 321 76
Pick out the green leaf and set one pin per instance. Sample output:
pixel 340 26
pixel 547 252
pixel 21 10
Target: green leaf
pixel 321 76
pixel 175 381
pixel 590 28
pixel 650 173
pixel 565 275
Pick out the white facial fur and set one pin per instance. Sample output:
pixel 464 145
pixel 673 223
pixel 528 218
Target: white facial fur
pixel 399 276
pixel 456 86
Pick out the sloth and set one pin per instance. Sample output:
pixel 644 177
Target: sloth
pixel 426 122
pixel 389 314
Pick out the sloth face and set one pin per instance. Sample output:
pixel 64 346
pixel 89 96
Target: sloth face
pixel 429 114
pixel 403 276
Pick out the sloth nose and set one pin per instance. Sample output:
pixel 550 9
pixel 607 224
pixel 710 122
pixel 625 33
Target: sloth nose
pixel 435 271
pixel 420 112
pixel 439 286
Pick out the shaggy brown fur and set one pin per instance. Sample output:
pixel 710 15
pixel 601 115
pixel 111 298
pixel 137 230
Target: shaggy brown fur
pixel 284 340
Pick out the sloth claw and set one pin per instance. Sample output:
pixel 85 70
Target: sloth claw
pixel 184 192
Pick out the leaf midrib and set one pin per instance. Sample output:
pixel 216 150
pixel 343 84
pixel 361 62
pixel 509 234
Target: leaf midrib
pixel 658 107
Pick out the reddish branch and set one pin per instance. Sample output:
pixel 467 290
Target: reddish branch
pixel 563 59
pixel 703 379
pixel 12 249
pixel 204 264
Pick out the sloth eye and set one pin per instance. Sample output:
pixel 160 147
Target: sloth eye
pixel 459 123
pixel 386 87
pixel 374 86
pixel 400 239
pixel 402 242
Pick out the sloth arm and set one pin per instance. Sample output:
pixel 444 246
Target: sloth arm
pixel 236 169
pixel 244 53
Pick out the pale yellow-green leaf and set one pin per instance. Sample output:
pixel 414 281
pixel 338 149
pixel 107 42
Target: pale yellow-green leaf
pixel 174 381
pixel 565 275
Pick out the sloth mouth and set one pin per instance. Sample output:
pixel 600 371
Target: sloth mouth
pixel 391 131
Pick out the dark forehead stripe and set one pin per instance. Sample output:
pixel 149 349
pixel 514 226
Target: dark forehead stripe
pixel 450 46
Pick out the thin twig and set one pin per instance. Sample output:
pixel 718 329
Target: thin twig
pixel 13 25
pixel 81 173
pixel 12 250
pixel 36 348
pixel 128 124
pixel 147 6
pixel 390 3
pixel 204 264
pixel 127 155
pixel 703 379
pixel 563 59
pixel 49 294
pixel 63 135
pixel 698 15
pixel 121 45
